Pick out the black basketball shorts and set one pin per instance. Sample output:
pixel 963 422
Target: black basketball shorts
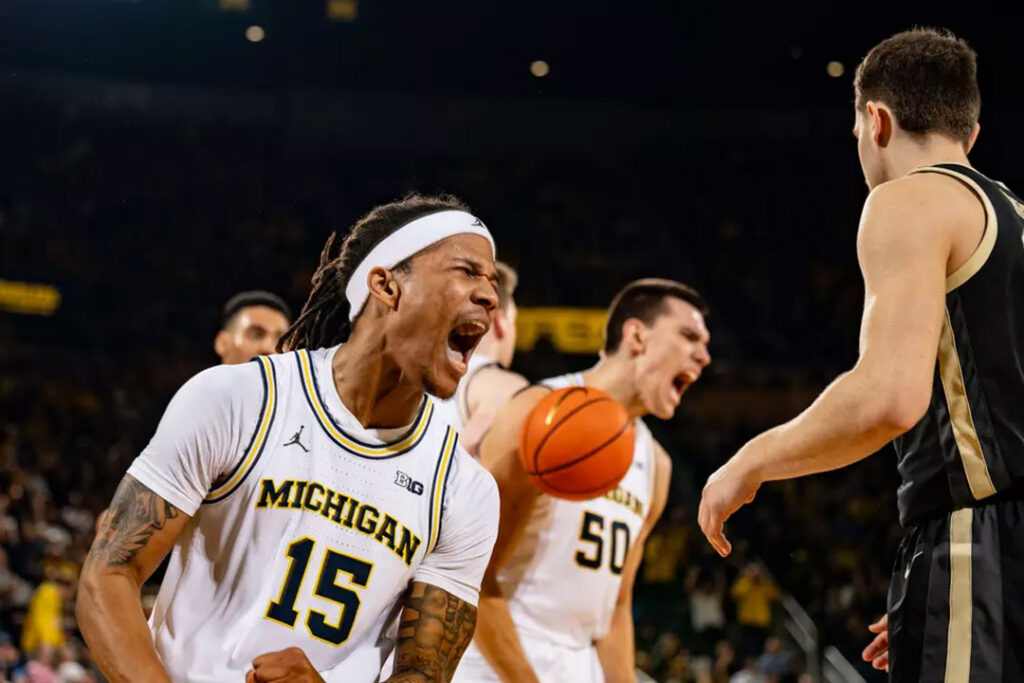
pixel 956 600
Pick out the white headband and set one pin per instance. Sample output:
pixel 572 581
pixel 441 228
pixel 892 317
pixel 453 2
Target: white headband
pixel 408 240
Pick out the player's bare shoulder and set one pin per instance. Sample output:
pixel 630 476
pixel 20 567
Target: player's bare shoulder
pixel 500 446
pixel 510 417
pixel 935 209
pixel 924 198
pixel 497 379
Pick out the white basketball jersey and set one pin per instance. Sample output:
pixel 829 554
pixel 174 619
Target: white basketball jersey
pixel 314 536
pixel 457 407
pixel 562 579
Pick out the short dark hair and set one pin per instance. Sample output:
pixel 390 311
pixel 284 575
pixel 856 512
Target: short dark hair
pixel 645 300
pixel 928 77
pixel 256 297
pixel 324 317
pixel 508 280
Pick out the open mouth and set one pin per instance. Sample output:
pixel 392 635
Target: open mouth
pixel 462 340
pixel 682 381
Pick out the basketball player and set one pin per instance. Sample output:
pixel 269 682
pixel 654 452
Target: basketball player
pixel 940 371
pixel 489 384
pixel 316 506
pixel 556 602
pixel 253 322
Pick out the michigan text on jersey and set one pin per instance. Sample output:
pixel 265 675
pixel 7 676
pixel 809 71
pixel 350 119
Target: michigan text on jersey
pixel 293 494
pixel 623 497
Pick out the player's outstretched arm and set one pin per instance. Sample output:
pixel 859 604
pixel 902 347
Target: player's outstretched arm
pixel 434 630
pixel 497 636
pixel 617 650
pixel 135 534
pixel 903 245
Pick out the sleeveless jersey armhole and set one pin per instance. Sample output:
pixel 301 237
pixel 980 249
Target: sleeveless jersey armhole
pixel 979 256
pixel 230 482
pixel 439 485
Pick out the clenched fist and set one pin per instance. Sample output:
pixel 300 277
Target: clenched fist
pixel 286 666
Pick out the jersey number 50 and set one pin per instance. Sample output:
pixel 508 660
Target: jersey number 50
pixel 592 531
pixel 283 611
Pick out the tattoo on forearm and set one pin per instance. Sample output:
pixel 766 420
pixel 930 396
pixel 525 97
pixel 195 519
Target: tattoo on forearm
pixel 435 630
pixel 135 514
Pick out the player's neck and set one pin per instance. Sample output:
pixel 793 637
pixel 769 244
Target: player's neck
pixel 614 376
pixel 910 154
pixel 372 387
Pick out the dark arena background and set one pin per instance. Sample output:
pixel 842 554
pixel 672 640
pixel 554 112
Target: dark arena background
pixel 157 157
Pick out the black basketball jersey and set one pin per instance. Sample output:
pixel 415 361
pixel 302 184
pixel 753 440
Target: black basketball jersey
pixel 969 446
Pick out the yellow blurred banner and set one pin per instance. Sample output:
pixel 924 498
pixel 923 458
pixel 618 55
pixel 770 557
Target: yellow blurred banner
pixel 570 330
pixel 343 10
pixel 27 297
pixel 236 5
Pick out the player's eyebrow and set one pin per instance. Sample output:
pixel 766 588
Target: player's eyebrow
pixel 477 268
pixel 692 332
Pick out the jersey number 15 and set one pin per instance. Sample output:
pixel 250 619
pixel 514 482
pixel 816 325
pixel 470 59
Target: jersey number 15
pixel 283 611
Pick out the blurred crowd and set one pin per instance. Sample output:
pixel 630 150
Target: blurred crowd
pixel 148 228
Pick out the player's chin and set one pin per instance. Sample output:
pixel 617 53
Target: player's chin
pixel 443 381
pixel 665 412
pixel 665 406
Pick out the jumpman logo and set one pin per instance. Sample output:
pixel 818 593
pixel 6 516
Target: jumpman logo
pixel 295 439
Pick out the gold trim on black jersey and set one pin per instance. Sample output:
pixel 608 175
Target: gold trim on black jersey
pixel 976 260
pixel 961 603
pixel 960 418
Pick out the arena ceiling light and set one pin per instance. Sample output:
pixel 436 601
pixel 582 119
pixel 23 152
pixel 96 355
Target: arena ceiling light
pixel 255 34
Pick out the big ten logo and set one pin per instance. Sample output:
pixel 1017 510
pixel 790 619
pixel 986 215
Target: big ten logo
pixel 408 483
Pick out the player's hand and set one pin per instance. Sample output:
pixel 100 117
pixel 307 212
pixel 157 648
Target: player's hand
pixel 728 489
pixel 285 666
pixel 878 651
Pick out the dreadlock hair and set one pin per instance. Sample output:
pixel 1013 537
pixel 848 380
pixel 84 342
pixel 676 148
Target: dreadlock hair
pixel 323 320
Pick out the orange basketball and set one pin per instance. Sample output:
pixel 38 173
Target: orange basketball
pixel 577 443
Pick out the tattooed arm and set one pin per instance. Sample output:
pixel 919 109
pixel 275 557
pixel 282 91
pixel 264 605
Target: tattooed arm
pixel 434 631
pixel 134 535
pixel 439 614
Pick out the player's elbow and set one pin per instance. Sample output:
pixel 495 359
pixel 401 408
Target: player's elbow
pixel 899 409
pixel 891 396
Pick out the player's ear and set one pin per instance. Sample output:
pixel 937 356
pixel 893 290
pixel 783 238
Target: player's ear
pixel 974 137
pixel 222 343
pixel 384 286
pixel 882 123
pixel 634 336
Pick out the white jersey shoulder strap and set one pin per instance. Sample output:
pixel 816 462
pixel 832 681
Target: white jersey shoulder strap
pixel 646 448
